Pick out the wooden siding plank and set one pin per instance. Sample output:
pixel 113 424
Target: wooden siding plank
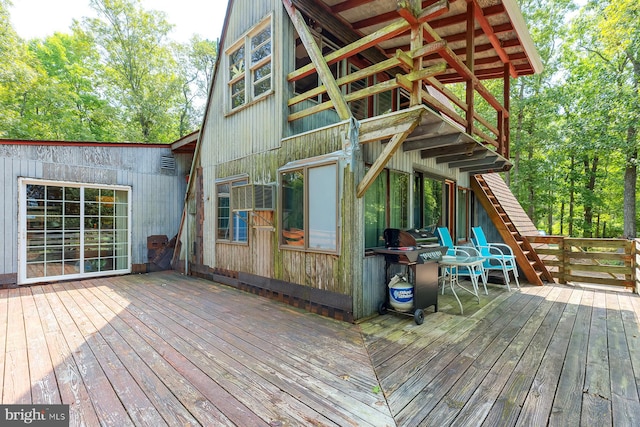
pixel 4 312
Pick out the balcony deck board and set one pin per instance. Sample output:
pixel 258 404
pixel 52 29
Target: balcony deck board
pixel 165 349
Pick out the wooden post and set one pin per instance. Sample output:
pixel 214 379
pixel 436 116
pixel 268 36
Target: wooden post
pixel 469 62
pixel 504 138
pixel 635 265
pixel 565 262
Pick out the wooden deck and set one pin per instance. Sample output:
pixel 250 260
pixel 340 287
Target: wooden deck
pixel 164 349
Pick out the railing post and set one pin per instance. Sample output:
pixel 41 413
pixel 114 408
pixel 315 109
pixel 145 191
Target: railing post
pixel 565 260
pixel 470 65
pixel 635 264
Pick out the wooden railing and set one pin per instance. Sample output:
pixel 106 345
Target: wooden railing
pixel 614 262
pixel 400 68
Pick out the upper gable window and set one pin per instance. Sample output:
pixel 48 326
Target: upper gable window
pixel 247 83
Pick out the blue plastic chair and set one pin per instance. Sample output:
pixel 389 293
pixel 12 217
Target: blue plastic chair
pixel 444 239
pixel 499 256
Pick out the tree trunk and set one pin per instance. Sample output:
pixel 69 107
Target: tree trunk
pixel 629 204
pixel 590 173
pixel 572 195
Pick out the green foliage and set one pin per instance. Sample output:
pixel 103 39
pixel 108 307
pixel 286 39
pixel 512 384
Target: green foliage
pixel 570 125
pixel 113 78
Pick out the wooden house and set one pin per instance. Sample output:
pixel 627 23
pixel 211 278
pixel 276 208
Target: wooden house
pixel 329 121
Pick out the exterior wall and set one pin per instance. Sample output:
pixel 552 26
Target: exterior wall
pixel 256 140
pixel 262 255
pixel 157 195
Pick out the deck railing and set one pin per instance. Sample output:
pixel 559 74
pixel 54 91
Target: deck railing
pixel 401 67
pixel 614 262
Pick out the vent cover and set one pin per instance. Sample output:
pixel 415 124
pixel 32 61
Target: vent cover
pixel 168 164
pixel 253 197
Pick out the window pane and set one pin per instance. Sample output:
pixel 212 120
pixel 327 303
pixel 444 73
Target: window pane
pixel 240 226
pixel 236 63
pixel 399 200
pixel 293 208
pixel 461 227
pixel 261 45
pixel 323 208
pixel 223 212
pixel 432 208
pixel 237 94
pixel 375 202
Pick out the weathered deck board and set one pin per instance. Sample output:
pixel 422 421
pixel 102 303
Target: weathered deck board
pixel 566 407
pixel 70 384
pixel 44 389
pixel 165 349
pixel 16 387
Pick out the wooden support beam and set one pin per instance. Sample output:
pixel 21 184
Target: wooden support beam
pixel 427 130
pixel 336 26
pixel 488 30
pixel 503 148
pixel 454 61
pixel 430 10
pixel 354 48
pixel 450 149
pixel 477 154
pixel 488 160
pixel 434 142
pixel 428 49
pixel 384 157
pixel 353 96
pixel 384 127
pixel 425 73
pixel 349 78
pixel 498 166
pixel 339 103
pixel 470 55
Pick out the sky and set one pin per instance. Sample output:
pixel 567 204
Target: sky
pixel 41 18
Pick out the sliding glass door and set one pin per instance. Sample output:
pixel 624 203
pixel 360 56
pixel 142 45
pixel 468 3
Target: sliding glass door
pixel 70 230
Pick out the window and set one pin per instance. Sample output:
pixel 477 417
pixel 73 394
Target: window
pixel 247 83
pixel 427 201
pixel 462 219
pixel 309 207
pixel 386 206
pixel 232 225
pixel 73 230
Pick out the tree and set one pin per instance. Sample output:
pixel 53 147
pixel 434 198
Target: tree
pixel 139 68
pixel 196 64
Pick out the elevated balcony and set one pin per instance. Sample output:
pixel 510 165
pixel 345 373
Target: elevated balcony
pixel 414 73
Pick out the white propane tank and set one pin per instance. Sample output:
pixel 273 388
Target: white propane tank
pixel 400 293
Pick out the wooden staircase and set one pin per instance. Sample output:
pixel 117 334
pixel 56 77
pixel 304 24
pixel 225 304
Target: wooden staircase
pixel 512 223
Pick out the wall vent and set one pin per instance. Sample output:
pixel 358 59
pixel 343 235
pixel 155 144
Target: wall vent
pixel 168 164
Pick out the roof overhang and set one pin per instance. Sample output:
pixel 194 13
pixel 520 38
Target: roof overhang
pixel 500 32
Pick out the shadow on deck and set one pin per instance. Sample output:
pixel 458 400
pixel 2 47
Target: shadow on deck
pixel 165 349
